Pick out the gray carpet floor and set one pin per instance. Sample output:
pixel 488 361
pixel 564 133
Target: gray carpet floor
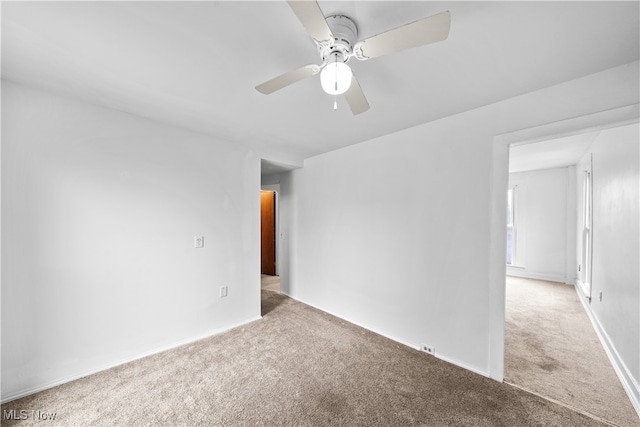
pixel 297 366
pixel 552 349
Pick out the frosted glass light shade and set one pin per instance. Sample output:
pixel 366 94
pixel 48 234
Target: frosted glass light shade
pixel 336 72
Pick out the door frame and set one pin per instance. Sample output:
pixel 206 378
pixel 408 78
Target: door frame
pixel 499 185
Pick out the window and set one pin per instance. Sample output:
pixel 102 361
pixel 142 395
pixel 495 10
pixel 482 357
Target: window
pixel 511 229
pixel 585 267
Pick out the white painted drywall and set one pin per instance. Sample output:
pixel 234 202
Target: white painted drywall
pixel 616 244
pixel 394 234
pixel 544 203
pixel 288 221
pixel 271 179
pixel 99 213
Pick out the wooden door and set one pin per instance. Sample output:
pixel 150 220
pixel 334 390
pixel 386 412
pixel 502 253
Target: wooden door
pixel 268 232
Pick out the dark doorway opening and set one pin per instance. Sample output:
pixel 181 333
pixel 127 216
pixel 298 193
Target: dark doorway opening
pixel 268 232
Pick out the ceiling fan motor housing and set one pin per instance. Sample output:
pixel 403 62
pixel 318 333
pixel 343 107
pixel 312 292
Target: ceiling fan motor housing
pixel 345 33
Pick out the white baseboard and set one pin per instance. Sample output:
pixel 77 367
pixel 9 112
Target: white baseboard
pixel 399 341
pixel 629 383
pixel 60 381
pixel 516 272
pixel 583 289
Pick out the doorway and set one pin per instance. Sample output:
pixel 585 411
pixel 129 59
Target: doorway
pixel 551 347
pixel 269 280
pixel 541 259
pixel 268 233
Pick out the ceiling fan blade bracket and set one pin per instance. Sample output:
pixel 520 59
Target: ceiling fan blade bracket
pixel 357 51
pixel 324 45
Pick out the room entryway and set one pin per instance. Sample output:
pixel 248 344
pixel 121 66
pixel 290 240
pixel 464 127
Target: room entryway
pixel 269 280
pixel 552 348
pixel 268 232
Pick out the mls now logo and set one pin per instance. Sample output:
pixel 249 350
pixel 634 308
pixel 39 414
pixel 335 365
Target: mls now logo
pixel 15 414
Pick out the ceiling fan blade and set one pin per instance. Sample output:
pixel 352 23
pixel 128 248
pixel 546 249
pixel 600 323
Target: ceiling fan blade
pixel 288 78
pixel 355 97
pixel 312 18
pixel 424 31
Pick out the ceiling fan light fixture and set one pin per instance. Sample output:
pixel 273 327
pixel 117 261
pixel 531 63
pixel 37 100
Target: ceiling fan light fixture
pixel 336 38
pixel 335 78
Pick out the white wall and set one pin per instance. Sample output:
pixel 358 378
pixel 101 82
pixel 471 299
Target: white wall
pixel 544 211
pixel 99 212
pixel 271 179
pixel 616 247
pixel 395 233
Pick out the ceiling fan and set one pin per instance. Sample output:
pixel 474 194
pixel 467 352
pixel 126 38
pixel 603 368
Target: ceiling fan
pixel 336 37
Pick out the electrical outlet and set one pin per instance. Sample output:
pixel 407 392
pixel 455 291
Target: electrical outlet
pixel 223 291
pixel 198 242
pixel 428 349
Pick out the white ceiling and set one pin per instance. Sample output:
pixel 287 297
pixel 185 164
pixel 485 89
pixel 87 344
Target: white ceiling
pixel 195 64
